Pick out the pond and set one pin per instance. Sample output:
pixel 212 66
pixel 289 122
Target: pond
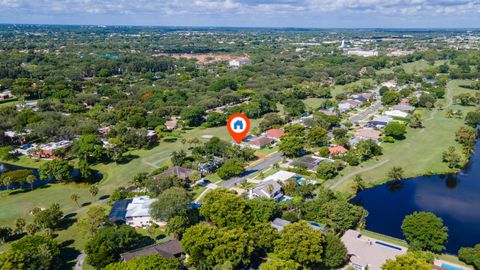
pixel 454 198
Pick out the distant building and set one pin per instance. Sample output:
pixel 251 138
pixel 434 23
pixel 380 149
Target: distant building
pixel 169 249
pixel 363 53
pixel 138 212
pixel 390 84
pixel 238 62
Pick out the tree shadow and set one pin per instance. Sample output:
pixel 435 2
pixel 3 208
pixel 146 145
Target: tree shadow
pixel 69 254
pixel 85 204
pixel 104 197
pixel 66 222
pixel 127 158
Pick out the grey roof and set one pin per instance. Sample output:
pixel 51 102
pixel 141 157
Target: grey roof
pixel 406 108
pixel 168 250
pixel 279 223
pixel 180 172
pixel 262 189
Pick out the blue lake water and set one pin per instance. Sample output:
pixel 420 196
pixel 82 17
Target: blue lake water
pixel 454 198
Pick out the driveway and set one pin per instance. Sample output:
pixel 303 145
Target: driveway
pixel 361 116
pixel 260 166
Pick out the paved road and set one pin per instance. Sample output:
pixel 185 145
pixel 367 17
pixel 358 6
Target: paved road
pixel 269 161
pixel 80 260
pixel 361 116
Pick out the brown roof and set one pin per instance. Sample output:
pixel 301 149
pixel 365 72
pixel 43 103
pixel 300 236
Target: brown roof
pixel 168 250
pixel 261 141
pixel 337 149
pixel 368 133
pixel 171 123
pixel 180 172
pixel 275 133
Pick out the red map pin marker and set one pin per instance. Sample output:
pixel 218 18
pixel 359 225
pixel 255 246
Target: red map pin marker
pixel 238 126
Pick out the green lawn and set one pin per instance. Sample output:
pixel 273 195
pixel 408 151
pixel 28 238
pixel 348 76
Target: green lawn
pixel 385 238
pixel 19 204
pixel 420 152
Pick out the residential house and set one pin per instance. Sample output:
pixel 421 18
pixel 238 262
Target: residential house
pixel 169 249
pixel 274 133
pixel 281 176
pixel 308 163
pixel 260 142
pixel 180 172
pixel 347 105
pixel 266 189
pixel 368 253
pixel 362 97
pixel 48 150
pixel 363 53
pixel 172 125
pixel 138 212
pixel 6 95
pixel 209 166
pixel 379 122
pixel 337 150
pixel 404 108
pixel 16 137
pixel 152 135
pixel 238 62
pixel 397 113
pixel 367 134
pixel 390 84
pixel 279 223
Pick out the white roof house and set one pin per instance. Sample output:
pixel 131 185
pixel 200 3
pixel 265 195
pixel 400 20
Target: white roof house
pixel 397 113
pixel 138 212
pixel 266 189
pixel 363 53
pixel 281 176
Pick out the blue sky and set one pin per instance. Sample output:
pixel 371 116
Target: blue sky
pixel 249 13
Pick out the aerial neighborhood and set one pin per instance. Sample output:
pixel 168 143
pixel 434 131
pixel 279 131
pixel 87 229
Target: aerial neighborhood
pixel 115 151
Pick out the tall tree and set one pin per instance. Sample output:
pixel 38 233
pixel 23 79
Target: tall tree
pixel 425 231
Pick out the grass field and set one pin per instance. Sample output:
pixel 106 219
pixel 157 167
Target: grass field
pixel 18 204
pixel 413 67
pixel 421 151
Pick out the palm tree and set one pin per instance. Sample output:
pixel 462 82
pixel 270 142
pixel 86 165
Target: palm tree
pixel 359 183
pixel 93 190
pixel 31 179
pixel 395 173
pixel 7 181
pixel 244 184
pixel 75 197
pixel 449 113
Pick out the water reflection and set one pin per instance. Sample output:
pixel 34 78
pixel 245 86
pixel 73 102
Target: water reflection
pixel 454 198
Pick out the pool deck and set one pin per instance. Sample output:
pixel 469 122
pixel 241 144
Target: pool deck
pixel 439 262
pixel 364 251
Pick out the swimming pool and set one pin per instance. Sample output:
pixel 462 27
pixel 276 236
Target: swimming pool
pixel 451 267
pixel 387 245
